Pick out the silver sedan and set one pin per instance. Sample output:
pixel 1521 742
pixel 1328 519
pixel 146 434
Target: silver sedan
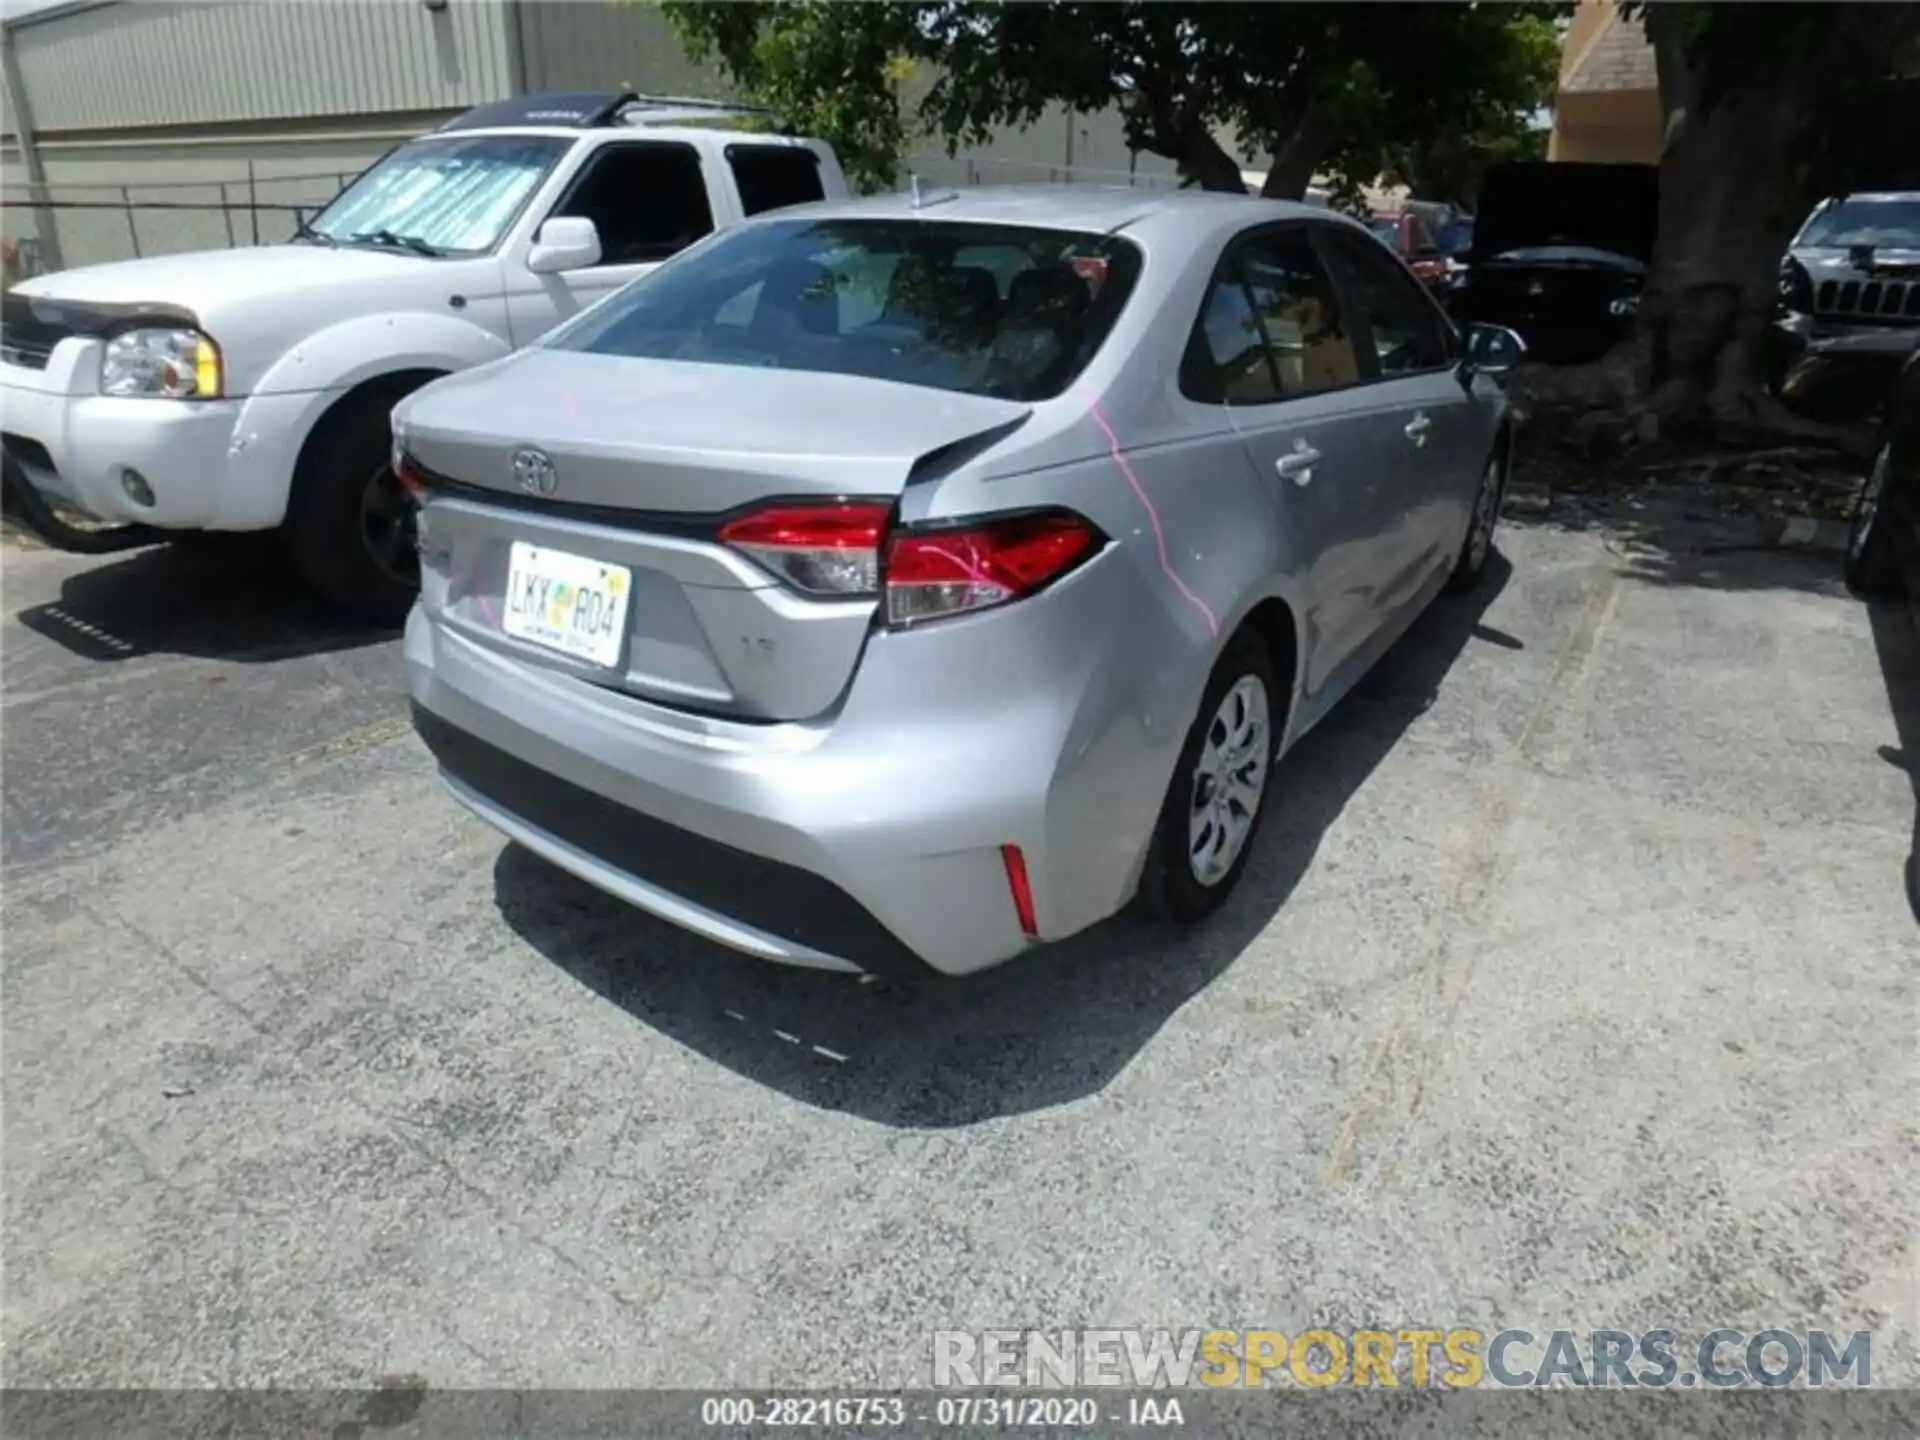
pixel 902 583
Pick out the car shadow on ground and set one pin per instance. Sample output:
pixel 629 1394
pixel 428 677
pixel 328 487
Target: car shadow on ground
pixel 220 597
pixel 1043 1030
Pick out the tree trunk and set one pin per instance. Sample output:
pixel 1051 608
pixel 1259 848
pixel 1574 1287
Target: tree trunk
pixel 1202 159
pixel 1299 156
pixel 1731 196
pixel 1748 135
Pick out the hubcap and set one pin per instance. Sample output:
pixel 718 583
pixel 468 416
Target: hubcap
pixel 1869 504
pixel 387 527
pixel 1229 780
pixel 1486 511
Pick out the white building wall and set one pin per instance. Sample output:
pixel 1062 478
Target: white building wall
pixel 134 64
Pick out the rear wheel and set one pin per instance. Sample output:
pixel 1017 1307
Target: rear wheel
pixel 350 524
pixel 1871 567
pixel 1218 793
pixel 1474 550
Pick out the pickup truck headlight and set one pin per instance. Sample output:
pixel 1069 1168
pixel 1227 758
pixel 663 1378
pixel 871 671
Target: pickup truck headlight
pixel 168 364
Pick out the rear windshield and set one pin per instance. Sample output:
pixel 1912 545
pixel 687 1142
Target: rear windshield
pixel 1006 311
pixel 1892 222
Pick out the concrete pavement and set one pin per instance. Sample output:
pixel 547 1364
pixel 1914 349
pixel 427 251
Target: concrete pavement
pixel 1572 984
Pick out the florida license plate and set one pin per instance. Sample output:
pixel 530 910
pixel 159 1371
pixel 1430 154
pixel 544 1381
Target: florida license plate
pixel 567 603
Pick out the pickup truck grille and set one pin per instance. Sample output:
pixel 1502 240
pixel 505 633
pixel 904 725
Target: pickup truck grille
pixel 1869 299
pixel 29 352
pixel 27 339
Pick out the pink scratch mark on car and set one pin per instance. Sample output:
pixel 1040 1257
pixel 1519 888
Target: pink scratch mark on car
pixel 1153 519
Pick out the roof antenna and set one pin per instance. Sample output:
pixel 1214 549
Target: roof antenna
pixel 914 180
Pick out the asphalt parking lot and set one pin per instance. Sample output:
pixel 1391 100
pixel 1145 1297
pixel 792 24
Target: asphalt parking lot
pixel 1572 984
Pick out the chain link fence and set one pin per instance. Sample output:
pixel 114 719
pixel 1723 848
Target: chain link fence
pixel 100 223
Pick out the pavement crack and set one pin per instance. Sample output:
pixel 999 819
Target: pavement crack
pixel 166 952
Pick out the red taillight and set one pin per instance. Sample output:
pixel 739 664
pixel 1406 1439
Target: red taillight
pixel 934 573
pixel 828 550
pixel 1016 864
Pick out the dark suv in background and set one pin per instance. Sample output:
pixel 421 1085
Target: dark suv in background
pixel 1849 312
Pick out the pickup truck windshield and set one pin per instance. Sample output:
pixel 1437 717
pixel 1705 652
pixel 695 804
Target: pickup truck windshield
pixel 452 196
pixel 1005 311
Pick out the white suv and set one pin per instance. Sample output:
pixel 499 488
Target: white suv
pixel 249 389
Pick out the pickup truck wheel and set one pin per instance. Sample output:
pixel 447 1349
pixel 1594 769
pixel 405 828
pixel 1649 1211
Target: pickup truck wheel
pixel 350 524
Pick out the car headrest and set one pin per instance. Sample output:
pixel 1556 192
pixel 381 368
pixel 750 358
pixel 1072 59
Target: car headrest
pixel 804 296
pixel 1052 289
pixel 973 287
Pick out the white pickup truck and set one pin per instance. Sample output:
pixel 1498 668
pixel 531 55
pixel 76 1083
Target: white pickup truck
pixel 249 389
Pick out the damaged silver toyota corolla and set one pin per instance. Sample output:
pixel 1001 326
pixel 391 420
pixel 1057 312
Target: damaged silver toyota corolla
pixel 902 582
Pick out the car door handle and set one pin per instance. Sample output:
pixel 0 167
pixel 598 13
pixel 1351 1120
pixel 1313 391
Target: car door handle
pixel 1297 464
pixel 1418 427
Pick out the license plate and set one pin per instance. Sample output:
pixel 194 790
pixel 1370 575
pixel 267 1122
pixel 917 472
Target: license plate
pixel 567 603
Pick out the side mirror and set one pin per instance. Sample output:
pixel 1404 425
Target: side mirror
pixel 566 242
pixel 1493 349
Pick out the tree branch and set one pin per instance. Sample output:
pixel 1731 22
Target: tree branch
pixel 1299 155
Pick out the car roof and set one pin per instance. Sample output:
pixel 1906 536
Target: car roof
pixel 1103 208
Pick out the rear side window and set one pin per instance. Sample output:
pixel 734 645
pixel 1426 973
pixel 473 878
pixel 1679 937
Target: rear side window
pixel 770 177
pixel 1271 327
pixel 1404 327
pixel 648 201
pixel 1007 311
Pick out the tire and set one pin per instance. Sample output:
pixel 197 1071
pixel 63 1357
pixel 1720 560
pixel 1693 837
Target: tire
pixel 1871 568
pixel 1471 563
pixel 1175 885
pixel 349 524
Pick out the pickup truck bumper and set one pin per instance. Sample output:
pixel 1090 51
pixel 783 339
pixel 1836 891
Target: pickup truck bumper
pixel 205 464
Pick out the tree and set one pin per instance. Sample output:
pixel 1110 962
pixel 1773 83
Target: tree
pixel 1765 109
pixel 1316 86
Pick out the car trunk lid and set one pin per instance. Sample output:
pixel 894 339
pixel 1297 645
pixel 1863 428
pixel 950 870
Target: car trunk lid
pixel 639 463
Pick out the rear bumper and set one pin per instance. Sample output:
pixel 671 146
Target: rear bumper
pixel 761 906
pixel 870 840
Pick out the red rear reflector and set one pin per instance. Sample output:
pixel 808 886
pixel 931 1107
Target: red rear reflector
pixel 827 549
pixel 410 478
pixel 1022 891
pixel 932 573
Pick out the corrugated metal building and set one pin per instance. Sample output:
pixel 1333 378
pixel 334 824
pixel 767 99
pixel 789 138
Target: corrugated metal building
pixel 160 126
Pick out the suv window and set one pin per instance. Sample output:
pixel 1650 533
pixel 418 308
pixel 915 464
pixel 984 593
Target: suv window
pixel 648 201
pixel 1270 328
pixel 1406 332
pixel 912 301
pixel 772 176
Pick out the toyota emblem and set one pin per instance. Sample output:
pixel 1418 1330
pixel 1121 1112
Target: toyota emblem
pixel 533 471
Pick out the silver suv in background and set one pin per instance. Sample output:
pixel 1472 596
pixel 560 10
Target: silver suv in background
pixel 903 582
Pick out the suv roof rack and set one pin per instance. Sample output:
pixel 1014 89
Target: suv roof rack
pixel 591 109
